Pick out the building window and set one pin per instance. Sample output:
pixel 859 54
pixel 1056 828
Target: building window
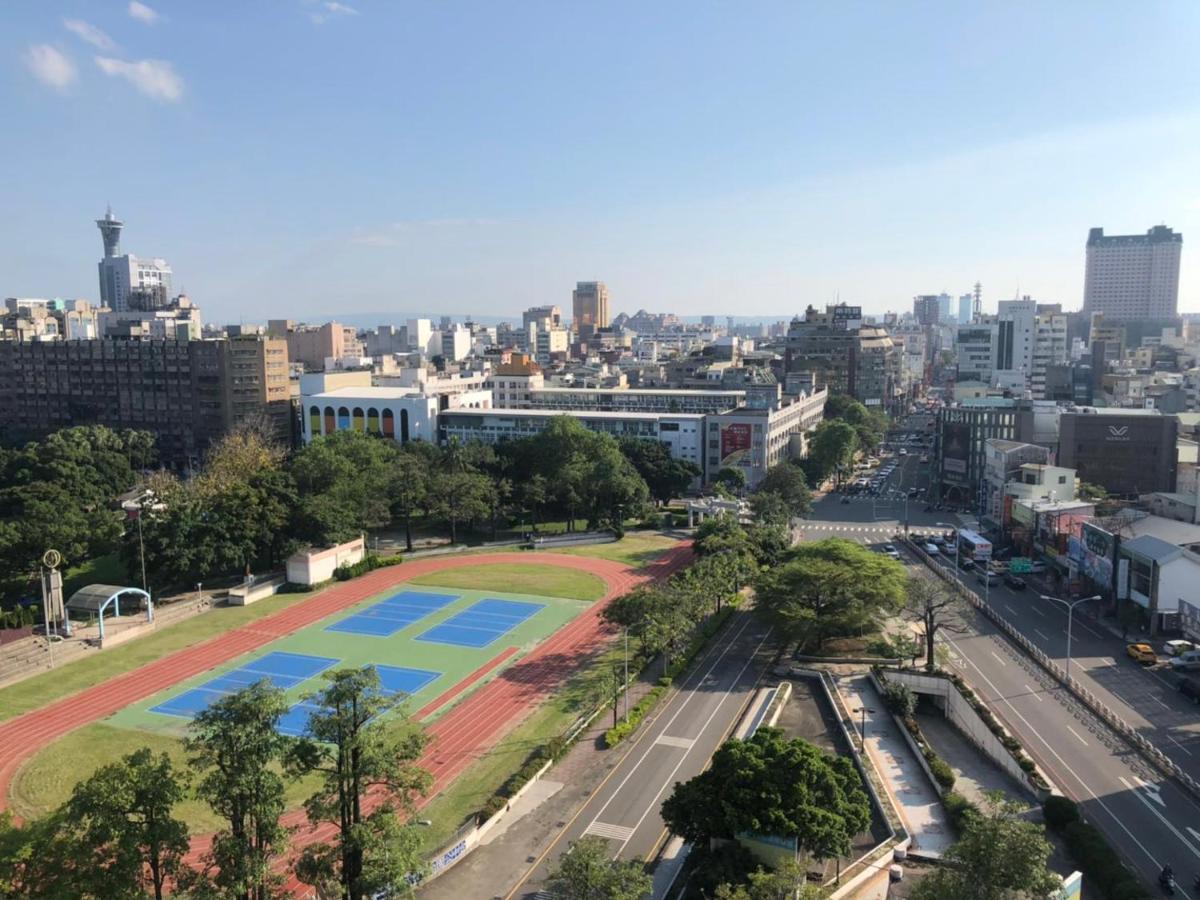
pixel 330 420
pixel 343 418
pixel 373 420
pixel 389 424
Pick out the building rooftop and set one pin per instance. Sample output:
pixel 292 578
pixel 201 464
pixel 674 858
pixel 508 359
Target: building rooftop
pixel 1138 523
pixel 577 414
pixel 366 393
pixel 1152 548
pixel 639 392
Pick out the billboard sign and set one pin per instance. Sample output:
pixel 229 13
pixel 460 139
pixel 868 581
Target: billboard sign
pixel 1189 618
pixel 956 448
pixel 1097 554
pixel 1020 565
pixel 735 443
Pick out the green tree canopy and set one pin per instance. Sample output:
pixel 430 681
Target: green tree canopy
pixel 787 482
pixel 359 742
pixel 732 478
pixel 665 476
pixel 829 588
pixel 344 482
pixel 769 785
pixel 832 447
pixel 999 856
pixel 869 425
pixel 587 871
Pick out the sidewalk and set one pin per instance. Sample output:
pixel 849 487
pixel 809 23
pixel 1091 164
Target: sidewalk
pixel 919 805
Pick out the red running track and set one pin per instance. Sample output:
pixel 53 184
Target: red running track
pixel 460 736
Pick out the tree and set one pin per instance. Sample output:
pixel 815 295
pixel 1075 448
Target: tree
pixel 832 447
pixel 533 495
pixel 933 607
pixel 358 743
pixel 771 509
pixel 344 481
pixel 587 872
pixel 665 476
pixel 869 425
pixel 999 856
pixel 35 860
pixel 731 478
pixel 769 785
pixel 236 746
pixel 409 490
pixel 121 826
pixel 829 588
pixel 460 496
pixel 786 882
pixel 608 687
pixel 787 482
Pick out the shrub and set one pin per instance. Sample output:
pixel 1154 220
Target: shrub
pixel 1099 863
pixel 899 699
pixel 1059 812
pixel 494 804
pixel 882 647
pixel 958 808
pixel 367 564
pixel 942 773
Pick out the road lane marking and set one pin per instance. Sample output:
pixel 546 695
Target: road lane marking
pixel 1159 702
pixel 1141 796
pixel 1038 611
pixel 1010 609
pixel 1078 737
pixel 998 659
pixel 672 741
pixel 1041 634
pixel 1152 791
pixel 629 754
pixel 1034 694
pixel 604 830
pixel 1179 745
pixel 670 779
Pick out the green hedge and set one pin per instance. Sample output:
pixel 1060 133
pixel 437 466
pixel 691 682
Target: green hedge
pixel 365 565
pixel 1059 812
pixel 959 809
pixel 18 617
pixel 1100 864
pixel 552 751
pixel 622 730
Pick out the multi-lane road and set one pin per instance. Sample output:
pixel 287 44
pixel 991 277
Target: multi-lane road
pixel 1151 819
pixel 676 745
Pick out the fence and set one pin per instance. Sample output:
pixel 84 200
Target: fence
pixel 1098 707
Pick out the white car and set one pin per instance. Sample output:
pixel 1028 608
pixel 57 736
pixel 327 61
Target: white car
pixel 891 551
pixel 931 549
pixel 1186 662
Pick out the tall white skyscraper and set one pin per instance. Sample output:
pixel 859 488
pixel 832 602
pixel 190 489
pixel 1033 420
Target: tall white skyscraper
pixel 966 306
pixel 127 282
pixel 1132 277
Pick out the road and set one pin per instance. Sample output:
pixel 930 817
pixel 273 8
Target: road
pixel 1150 819
pixel 675 746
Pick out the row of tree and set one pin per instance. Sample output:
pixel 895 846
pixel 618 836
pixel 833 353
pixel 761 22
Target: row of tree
pixel 848 428
pixel 252 505
pixel 119 835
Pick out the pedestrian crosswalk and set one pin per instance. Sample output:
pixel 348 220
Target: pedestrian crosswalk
pixel 839 526
pixel 613 832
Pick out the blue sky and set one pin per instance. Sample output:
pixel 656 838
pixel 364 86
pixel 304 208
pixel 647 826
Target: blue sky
pixel 309 158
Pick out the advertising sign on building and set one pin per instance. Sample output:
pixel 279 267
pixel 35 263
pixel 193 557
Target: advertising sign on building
pixel 1123 579
pixel 735 442
pixel 1189 618
pixel 1097 555
pixel 956 449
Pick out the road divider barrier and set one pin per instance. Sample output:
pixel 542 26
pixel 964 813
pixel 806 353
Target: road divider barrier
pixel 1094 704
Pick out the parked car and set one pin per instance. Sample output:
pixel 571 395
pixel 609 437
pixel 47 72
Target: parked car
pixel 1187 661
pixel 931 549
pixel 1177 647
pixel 983 576
pixel 1014 582
pixel 1142 653
pixel 939 540
pixel 1190 688
pixel 966 564
pixel 891 551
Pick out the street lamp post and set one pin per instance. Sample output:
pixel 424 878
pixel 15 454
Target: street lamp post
pixel 1070 605
pixel 863 728
pixel 626 673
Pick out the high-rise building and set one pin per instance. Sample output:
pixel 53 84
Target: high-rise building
pixel 1132 277
pixel 966 308
pixel 187 393
pixel 127 282
pixel 589 307
pixel 542 316
pixel 927 309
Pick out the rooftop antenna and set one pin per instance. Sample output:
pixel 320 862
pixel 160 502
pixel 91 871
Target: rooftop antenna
pixel 977 311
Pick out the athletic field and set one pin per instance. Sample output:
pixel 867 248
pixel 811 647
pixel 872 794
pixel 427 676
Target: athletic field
pixel 425 641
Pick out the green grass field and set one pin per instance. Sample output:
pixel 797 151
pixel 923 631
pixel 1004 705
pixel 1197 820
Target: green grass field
pixel 75 676
pixel 48 778
pixel 637 549
pixel 520 578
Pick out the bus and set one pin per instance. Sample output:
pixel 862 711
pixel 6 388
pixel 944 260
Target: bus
pixel 973 546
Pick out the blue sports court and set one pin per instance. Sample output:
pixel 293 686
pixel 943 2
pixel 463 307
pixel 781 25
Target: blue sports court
pixel 385 618
pixel 283 670
pixel 392 680
pixel 481 623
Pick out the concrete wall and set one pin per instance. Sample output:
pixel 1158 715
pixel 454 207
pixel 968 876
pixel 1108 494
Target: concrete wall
pixel 964 718
pixel 310 567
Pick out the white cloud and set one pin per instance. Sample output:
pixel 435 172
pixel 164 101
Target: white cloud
pixel 88 32
pixel 400 234
pixel 142 13
pixel 155 78
pixel 50 66
pixel 330 9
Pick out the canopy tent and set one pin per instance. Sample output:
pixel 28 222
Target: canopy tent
pixel 95 599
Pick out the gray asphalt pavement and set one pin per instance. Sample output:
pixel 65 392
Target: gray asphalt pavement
pixel 675 746
pixel 1150 819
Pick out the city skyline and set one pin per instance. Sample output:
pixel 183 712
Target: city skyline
pixel 712 164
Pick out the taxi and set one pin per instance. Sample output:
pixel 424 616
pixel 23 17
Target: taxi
pixel 1142 653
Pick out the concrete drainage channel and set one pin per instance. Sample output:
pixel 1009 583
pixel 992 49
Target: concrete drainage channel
pixel 1100 709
